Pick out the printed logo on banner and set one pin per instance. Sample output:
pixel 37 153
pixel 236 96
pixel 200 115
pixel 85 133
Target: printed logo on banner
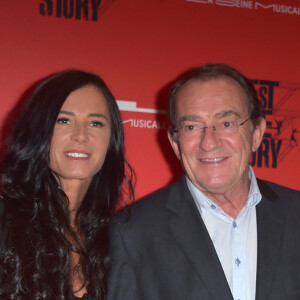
pixel 254 5
pixel 283 121
pixel 147 123
pixel 75 9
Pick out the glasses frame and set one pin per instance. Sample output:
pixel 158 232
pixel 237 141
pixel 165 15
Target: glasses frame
pixel 214 127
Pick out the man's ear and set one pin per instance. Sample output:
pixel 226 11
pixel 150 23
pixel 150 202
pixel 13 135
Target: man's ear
pixel 258 134
pixel 173 138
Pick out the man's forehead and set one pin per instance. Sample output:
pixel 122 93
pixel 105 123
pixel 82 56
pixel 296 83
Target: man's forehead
pixel 200 91
pixel 197 83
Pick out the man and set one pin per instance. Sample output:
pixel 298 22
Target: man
pixel 218 233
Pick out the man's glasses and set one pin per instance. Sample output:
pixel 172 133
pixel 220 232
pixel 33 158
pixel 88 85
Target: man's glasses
pixel 223 128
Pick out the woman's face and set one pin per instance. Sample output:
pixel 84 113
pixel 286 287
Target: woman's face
pixel 81 135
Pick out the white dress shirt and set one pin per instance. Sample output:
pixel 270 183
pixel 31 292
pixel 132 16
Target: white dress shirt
pixel 235 240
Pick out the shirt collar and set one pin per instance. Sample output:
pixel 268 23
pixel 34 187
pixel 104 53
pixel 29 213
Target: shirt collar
pixel 203 202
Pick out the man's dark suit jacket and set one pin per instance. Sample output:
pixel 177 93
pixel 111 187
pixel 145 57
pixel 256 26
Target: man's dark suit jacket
pixel 164 251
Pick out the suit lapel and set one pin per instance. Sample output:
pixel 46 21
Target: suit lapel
pixel 189 231
pixel 270 232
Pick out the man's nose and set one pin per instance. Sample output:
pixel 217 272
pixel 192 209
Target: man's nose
pixel 209 138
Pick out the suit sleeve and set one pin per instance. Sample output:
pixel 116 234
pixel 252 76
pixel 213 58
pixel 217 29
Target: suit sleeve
pixel 122 283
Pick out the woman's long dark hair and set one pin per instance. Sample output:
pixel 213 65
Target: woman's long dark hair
pixel 35 254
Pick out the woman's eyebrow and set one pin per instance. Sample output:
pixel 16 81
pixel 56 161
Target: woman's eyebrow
pixel 67 113
pixel 91 115
pixel 97 115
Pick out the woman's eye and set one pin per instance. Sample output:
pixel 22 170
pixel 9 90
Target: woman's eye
pixel 97 124
pixel 63 121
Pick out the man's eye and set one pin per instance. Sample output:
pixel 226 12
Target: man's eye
pixel 228 124
pixel 63 121
pixel 189 127
pixel 97 124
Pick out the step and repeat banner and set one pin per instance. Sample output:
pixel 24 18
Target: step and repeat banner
pixel 139 47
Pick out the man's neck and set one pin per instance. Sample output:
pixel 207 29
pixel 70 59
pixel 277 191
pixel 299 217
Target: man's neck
pixel 231 205
pixel 231 200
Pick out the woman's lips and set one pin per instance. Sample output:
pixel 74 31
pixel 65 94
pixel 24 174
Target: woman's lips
pixel 77 154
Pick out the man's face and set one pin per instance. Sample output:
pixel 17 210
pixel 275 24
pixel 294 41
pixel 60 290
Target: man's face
pixel 215 162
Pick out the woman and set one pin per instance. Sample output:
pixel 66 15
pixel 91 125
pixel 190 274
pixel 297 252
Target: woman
pixel 61 180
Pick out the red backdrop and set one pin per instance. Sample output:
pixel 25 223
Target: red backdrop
pixel 139 47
